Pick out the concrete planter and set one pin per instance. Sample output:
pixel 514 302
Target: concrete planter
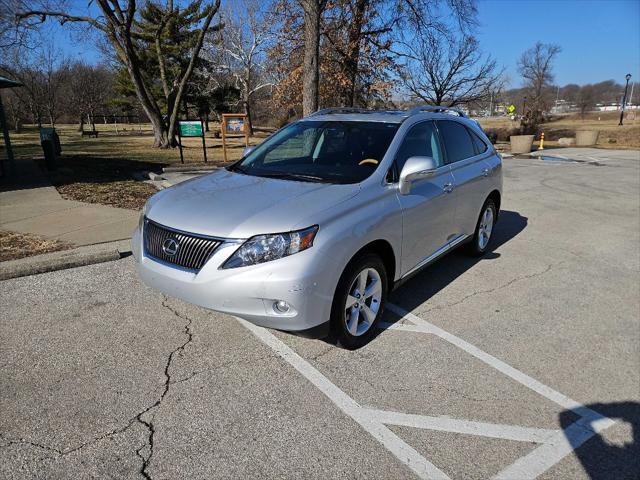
pixel 586 137
pixel 521 143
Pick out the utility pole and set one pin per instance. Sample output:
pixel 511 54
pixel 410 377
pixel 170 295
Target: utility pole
pixel 624 98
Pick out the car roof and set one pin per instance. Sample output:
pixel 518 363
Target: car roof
pixel 371 116
pixel 347 114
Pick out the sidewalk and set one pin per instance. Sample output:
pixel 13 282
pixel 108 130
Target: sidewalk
pixel 30 204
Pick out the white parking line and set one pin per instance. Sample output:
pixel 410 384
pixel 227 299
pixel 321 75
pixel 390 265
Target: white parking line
pixel 555 448
pixel 555 444
pixel 468 427
pixel 492 361
pixel 405 453
pixel 559 446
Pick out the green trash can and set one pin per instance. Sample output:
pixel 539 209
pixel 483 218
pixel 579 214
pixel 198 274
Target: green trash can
pixel 50 143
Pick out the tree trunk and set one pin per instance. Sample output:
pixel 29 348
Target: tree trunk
pixel 350 65
pixel 247 110
pixel 81 125
pixel 311 76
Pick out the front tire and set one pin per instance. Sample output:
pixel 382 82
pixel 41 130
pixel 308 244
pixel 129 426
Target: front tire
pixel 358 301
pixel 484 229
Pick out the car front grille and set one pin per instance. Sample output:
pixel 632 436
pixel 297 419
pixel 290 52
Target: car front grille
pixel 177 248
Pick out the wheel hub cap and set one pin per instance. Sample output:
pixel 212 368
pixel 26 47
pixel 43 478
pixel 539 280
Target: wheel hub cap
pixel 485 228
pixel 363 302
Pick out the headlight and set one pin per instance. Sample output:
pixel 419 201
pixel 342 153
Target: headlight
pixel 264 248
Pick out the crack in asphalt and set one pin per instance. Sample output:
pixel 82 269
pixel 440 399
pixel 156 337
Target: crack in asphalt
pixel 149 425
pixel 137 418
pixel 495 289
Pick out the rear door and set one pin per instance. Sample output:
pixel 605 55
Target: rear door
pixel 428 210
pixel 469 171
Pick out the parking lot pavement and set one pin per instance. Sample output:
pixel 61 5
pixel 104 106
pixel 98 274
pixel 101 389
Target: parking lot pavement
pixel 521 364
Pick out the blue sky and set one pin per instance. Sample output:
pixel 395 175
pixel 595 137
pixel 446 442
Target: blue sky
pixel 600 38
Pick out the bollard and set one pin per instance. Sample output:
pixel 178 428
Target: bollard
pixel 541 147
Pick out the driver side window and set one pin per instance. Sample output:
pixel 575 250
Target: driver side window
pixel 420 141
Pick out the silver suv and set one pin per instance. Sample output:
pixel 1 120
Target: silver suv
pixel 310 230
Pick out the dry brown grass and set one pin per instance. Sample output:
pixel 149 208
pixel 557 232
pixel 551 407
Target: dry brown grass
pixel 14 245
pixel 122 194
pixel 611 135
pixel 133 144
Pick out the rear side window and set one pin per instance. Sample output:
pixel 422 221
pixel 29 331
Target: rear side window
pixel 481 147
pixel 457 140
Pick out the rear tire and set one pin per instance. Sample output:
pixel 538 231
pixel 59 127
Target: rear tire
pixel 484 229
pixel 359 301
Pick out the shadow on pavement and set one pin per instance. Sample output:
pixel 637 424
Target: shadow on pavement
pixel 603 460
pixel 447 269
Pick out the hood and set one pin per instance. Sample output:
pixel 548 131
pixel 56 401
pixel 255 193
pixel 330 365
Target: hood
pixel 231 205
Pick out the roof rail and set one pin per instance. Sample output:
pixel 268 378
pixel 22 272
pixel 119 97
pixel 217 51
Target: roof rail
pixel 436 109
pixel 327 111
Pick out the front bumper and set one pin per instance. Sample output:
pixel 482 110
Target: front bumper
pixel 305 280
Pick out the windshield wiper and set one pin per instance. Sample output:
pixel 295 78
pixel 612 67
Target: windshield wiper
pixel 291 176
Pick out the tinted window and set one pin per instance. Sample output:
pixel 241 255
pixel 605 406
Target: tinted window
pixel 481 147
pixel 457 140
pixel 334 152
pixel 420 141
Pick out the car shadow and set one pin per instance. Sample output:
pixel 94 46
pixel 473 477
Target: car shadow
pixel 601 459
pixel 441 273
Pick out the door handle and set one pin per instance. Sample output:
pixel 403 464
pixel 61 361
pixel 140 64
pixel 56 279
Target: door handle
pixel 448 187
pixel 485 172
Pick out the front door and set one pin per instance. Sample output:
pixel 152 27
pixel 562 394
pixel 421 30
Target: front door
pixel 428 210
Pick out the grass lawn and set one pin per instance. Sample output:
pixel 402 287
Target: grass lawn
pixel 134 144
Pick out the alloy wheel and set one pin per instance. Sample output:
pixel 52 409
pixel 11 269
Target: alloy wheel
pixel 363 302
pixel 485 228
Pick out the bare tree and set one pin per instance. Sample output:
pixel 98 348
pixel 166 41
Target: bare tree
pixel 535 66
pixel 441 68
pixel 116 21
pixel 586 99
pixel 24 69
pixel 54 73
pixel 243 42
pixel 11 33
pixel 89 89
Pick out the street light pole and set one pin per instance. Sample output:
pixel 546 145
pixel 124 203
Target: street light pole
pixel 624 98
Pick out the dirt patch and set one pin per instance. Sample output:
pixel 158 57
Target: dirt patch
pixel 106 181
pixel 123 194
pixel 14 245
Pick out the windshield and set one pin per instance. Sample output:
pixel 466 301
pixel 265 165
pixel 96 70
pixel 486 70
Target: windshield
pixel 332 152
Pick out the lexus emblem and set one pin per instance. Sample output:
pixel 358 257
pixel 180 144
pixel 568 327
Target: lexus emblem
pixel 170 246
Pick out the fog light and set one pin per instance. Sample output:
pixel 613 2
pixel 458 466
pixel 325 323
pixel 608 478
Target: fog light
pixel 281 306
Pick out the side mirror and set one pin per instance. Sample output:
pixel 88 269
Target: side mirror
pixel 247 150
pixel 415 168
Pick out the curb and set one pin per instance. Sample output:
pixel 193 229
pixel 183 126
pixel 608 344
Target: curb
pixel 76 257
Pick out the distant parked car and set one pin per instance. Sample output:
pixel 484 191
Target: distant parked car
pixel 311 229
